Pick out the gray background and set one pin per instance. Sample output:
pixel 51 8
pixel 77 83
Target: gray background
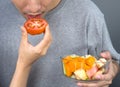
pixel 111 10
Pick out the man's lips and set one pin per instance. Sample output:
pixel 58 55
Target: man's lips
pixel 33 16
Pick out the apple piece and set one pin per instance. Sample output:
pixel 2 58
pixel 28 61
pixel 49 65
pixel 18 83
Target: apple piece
pixel 99 64
pixel 80 74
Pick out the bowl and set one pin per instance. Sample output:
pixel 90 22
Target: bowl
pixel 84 68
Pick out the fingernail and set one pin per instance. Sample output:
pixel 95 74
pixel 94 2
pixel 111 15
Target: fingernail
pixel 79 84
pixel 98 77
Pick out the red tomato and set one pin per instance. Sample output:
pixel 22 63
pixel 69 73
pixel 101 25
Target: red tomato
pixel 35 26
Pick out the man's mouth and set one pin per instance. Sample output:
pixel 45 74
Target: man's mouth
pixel 29 16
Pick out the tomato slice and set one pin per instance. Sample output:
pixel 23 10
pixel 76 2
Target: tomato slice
pixel 35 26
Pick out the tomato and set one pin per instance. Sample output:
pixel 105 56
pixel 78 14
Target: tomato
pixel 35 26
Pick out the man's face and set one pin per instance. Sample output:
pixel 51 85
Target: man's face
pixel 32 8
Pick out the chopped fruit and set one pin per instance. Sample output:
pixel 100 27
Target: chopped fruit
pixel 83 67
pixel 80 74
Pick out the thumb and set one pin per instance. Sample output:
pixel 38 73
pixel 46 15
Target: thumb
pixel 106 55
pixel 24 36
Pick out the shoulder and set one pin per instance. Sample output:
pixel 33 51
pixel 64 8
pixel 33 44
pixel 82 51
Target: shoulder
pixel 88 8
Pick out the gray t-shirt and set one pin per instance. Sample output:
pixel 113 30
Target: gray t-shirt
pixel 77 27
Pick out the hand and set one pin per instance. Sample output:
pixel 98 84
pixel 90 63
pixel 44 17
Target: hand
pixel 105 79
pixel 28 53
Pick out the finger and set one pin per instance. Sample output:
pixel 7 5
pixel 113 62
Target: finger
pixel 87 85
pixel 24 37
pixel 45 49
pixel 105 77
pixel 46 40
pixel 106 86
pixel 94 84
pixel 108 76
pixel 106 54
pixel 47 34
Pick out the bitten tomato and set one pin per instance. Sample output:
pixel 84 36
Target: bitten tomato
pixel 35 26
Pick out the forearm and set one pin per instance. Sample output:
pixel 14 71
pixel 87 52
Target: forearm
pixel 20 76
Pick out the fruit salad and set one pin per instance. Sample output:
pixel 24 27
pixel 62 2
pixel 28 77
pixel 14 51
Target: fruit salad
pixel 83 67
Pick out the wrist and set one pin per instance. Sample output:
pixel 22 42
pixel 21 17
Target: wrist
pixel 20 75
pixel 23 62
pixel 22 66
